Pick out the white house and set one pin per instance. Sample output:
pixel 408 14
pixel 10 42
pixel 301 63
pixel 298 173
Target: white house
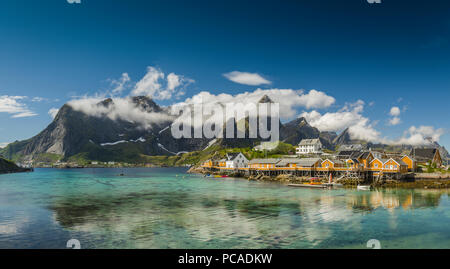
pixel 236 160
pixel 309 146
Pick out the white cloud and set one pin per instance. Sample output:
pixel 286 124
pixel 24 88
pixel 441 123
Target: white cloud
pixel 349 115
pixel 420 135
pixel 53 112
pixel 252 79
pixel 120 85
pixel 13 105
pixel 121 108
pixel 361 128
pixel 38 99
pixel 394 121
pixel 173 81
pixel 288 99
pixel 395 113
pixel 155 84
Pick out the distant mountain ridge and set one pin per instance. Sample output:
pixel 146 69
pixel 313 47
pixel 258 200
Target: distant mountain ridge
pixel 75 134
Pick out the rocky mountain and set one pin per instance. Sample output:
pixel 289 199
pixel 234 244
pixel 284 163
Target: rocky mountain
pixel 342 138
pixel 76 134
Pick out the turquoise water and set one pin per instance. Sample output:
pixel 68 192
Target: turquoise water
pixel 166 208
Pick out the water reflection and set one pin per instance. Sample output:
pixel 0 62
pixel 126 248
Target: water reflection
pixel 392 199
pixel 187 219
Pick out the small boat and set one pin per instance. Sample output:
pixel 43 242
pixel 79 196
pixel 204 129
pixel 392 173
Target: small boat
pixel 217 176
pixel 224 176
pixel 363 187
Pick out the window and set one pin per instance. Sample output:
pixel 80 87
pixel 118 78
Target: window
pixel 376 165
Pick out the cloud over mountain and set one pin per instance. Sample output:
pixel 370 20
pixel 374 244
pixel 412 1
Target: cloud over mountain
pixel 156 85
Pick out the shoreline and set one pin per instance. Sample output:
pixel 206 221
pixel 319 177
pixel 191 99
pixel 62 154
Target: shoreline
pixel 433 181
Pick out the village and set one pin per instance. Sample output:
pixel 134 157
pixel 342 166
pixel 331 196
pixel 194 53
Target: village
pixel 350 162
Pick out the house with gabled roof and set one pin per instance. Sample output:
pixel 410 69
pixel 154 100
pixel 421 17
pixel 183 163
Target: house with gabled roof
pixel 427 156
pixel 395 165
pixel 328 163
pixel 236 160
pixel 377 163
pixel 410 161
pixel 309 146
pixel 365 158
pixel 352 163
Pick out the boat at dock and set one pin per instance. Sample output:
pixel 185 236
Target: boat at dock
pixel 363 187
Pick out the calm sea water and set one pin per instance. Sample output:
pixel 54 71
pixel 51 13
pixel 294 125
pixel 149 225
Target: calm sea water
pixel 166 208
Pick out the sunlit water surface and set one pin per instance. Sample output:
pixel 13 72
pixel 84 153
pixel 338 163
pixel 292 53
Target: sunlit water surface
pixel 167 208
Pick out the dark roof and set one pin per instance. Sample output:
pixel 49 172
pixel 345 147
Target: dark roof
pixel 397 161
pixel 349 153
pixel 423 153
pixel 364 155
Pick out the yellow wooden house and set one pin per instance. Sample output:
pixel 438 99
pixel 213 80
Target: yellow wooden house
pixel 411 162
pixel 365 158
pixel 333 164
pixel 395 165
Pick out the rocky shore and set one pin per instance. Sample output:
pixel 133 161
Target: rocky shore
pixel 7 167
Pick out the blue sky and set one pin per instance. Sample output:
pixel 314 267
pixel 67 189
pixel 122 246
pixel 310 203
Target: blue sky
pixel 393 54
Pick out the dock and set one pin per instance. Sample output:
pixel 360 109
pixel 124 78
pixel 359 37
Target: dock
pixel 321 186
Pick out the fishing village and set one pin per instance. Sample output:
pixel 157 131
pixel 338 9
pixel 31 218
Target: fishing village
pixel 352 165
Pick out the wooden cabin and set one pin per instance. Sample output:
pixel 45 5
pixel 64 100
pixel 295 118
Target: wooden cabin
pixel 333 164
pixel 352 163
pixel 377 164
pixel 365 158
pixel 263 163
pixel 427 156
pixel 411 162
pixel 395 165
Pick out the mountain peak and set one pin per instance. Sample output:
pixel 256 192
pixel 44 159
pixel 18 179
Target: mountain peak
pixel 343 138
pixel 302 120
pixel 265 99
pixel 106 103
pixel 146 103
